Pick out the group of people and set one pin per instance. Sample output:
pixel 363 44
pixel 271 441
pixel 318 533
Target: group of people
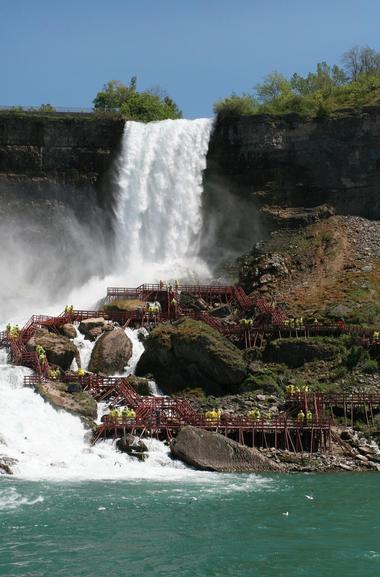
pixel 13 331
pixel 153 308
pixel 41 354
pixel 214 415
pixel 54 374
pixel 301 417
pixel 164 284
pixel 118 414
pixel 69 309
pixel 295 390
pixel 294 323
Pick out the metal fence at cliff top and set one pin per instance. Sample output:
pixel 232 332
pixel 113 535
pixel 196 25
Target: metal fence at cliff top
pixel 48 108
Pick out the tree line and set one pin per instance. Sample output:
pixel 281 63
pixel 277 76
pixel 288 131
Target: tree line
pixel 319 93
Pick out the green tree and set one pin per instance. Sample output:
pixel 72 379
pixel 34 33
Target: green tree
pixel 46 108
pixel 274 86
pixel 114 93
pixel 133 105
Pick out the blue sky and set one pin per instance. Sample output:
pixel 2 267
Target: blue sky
pixel 197 50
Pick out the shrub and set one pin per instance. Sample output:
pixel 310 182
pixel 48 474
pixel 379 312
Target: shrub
pixel 354 357
pixel 236 106
pixel 370 366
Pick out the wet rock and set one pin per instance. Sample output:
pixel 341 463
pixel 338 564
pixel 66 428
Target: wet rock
pixel 124 444
pixel 132 446
pixel 111 353
pixel 94 333
pixel 88 324
pixel 68 330
pixel 59 350
pixel 6 464
pixel 210 451
pixel 77 402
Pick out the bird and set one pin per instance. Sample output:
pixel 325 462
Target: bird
pixel 286 514
pixel 310 497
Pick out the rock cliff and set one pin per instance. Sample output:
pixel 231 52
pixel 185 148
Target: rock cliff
pixel 262 161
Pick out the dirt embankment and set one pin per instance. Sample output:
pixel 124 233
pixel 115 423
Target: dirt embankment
pixel 328 269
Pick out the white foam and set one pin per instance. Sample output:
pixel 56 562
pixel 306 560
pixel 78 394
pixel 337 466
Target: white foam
pixel 11 499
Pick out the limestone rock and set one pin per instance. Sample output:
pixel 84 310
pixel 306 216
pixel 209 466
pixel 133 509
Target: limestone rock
pixel 190 354
pixel 111 352
pixel 59 349
pixel 213 452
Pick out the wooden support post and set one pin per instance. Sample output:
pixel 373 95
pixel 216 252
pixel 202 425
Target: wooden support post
pixel 366 413
pixel 345 412
pixel 300 441
pixel 372 418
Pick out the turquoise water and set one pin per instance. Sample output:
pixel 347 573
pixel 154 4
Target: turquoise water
pixel 214 526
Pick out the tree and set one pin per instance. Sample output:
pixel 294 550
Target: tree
pixel 274 86
pixel 361 60
pixel 46 108
pixel 134 105
pixel 325 78
pixel 112 96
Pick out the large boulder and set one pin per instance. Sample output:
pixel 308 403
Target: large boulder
pixel 213 452
pixel 60 350
pixel 190 354
pixel 111 352
pixel 297 351
pixel 87 325
pixel 58 394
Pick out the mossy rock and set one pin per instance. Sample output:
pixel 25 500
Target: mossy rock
pixel 190 354
pixel 298 351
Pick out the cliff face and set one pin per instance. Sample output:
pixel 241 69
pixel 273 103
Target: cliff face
pixel 56 200
pixel 260 161
pixel 40 154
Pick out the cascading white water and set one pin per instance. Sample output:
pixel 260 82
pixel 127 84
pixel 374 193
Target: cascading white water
pixel 160 194
pixel 158 226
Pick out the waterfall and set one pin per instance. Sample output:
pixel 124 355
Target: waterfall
pixel 159 217
pixel 158 214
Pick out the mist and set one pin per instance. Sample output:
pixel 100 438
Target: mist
pixel 47 252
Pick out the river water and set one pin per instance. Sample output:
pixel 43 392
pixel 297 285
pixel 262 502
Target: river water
pixel 204 526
